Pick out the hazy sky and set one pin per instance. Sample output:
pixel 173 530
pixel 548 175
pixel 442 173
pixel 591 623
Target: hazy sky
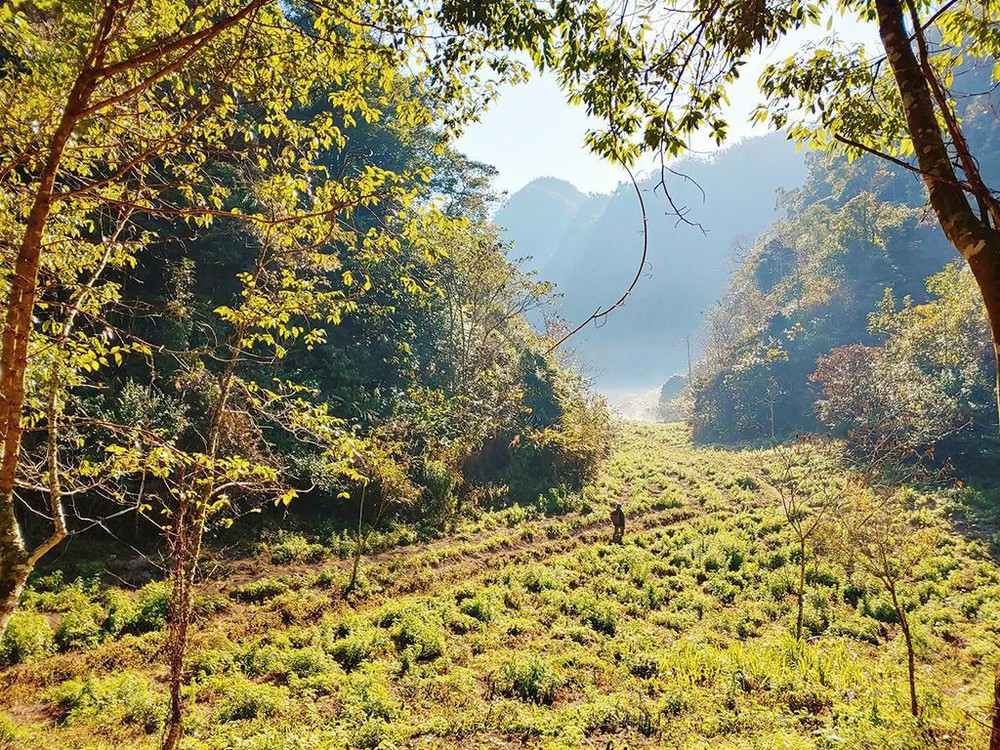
pixel 530 131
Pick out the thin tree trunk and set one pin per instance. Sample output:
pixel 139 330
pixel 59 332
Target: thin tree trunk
pixel 359 548
pixel 995 714
pixel 911 667
pixel 802 589
pixel 189 533
pixel 186 556
pixel 178 629
pixel 911 662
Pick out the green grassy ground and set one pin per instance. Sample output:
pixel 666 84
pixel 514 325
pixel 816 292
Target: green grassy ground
pixel 526 630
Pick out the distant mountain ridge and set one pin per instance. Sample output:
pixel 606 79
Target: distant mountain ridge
pixel 589 246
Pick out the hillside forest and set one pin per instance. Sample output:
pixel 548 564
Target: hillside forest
pixel 303 450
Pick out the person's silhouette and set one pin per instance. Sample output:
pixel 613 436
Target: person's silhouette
pixel 618 521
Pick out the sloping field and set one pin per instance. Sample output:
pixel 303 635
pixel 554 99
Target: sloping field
pixel 521 630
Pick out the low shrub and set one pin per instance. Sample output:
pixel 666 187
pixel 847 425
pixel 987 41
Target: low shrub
pixel 211 662
pixel 259 591
pixel 244 699
pixel 296 548
pixel 354 649
pixel 307 662
pixel 481 607
pixel 299 606
pixel 602 616
pixel 79 627
pixel 28 637
pixel 365 695
pixel 421 629
pixel 8 732
pixel 880 609
pixel 123 699
pixel 142 612
pixel 530 678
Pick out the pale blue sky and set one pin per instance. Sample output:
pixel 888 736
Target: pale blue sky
pixel 530 131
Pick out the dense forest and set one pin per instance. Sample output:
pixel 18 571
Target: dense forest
pixel 297 451
pixel 851 316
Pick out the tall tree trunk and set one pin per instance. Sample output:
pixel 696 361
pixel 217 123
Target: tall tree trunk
pixel 985 267
pixel 189 532
pixel 971 235
pixel 15 559
pixel 14 567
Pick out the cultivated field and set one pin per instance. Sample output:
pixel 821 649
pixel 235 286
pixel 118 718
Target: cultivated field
pixel 526 629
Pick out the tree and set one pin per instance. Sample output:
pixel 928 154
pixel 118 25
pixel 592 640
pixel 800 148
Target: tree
pixel 811 495
pixel 880 535
pixel 136 108
pixel 928 380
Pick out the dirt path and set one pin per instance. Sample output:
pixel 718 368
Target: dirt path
pixel 419 568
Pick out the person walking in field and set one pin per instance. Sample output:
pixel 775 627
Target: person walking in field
pixel 618 521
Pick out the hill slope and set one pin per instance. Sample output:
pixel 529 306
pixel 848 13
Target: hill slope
pixel 523 630
pixel 590 247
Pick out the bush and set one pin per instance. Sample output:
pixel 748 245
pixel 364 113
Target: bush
pixel 122 612
pixel 145 611
pixel 529 678
pixel 28 637
pixel 118 699
pixel 210 604
pixel 365 695
pixel 212 662
pixel 880 609
pixel 307 662
pixel 438 481
pixel 601 616
pixel 326 579
pixel 299 606
pixel 259 591
pixel 296 548
pixel 244 699
pixel 153 601
pixel 423 630
pixel 354 649
pixel 481 607
pixel 79 627
pixel 8 732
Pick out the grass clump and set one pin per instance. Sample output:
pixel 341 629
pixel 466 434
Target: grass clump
pixel 482 607
pixel 243 699
pixel 8 732
pixel 354 649
pixel 600 615
pixel 530 678
pixel 124 699
pixel 79 627
pixel 142 612
pixel 259 591
pixel 365 695
pixel 292 548
pixel 418 630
